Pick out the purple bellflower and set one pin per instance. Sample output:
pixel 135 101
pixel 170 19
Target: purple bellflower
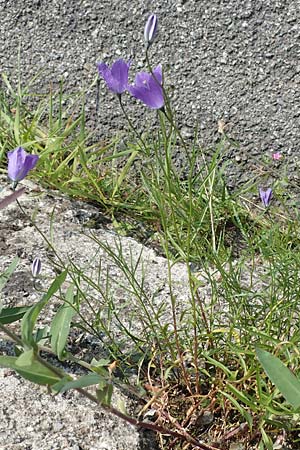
pixel 150 29
pixel 148 88
pixel 115 78
pixel 19 164
pixel 265 196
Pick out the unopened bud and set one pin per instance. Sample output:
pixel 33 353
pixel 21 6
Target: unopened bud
pixel 150 29
pixel 36 267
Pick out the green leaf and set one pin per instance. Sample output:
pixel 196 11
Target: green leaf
pixel 104 394
pixel 281 376
pixel 42 334
pixel 35 372
pixel 7 273
pixel 25 359
pixel 30 318
pixel 266 440
pixel 247 416
pixel 243 397
pixel 86 380
pixel 61 322
pixel 100 366
pixel 9 315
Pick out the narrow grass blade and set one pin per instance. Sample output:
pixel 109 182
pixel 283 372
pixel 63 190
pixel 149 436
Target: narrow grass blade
pixel 4 277
pixel 247 416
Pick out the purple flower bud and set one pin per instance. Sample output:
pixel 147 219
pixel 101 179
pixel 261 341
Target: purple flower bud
pixel 19 164
pixel 115 78
pixel 36 267
pixel 265 196
pixel 148 88
pixel 150 29
pixel 11 198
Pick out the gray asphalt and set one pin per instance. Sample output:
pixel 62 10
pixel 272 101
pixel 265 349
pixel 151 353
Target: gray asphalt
pixel 234 60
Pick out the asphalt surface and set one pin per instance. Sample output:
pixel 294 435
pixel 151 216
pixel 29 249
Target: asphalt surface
pixel 233 60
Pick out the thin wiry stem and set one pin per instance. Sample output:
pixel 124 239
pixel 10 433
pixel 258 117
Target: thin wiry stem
pixel 183 435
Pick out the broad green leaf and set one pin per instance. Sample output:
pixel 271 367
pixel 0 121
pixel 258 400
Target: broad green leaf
pixel 104 395
pixel 35 372
pixel 61 322
pixel 100 366
pixel 7 273
pixel 9 315
pixel 100 363
pixel 25 359
pixel 86 380
pixel 59 385
pixel 30 318
pixel 281 376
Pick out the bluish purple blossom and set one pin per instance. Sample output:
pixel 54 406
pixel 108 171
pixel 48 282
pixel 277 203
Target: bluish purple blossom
pixel 115 78
pixel 265 196
pixel 148 88
pixel 19 164
pixel 150 29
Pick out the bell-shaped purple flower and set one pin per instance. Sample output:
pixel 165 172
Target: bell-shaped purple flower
pixel 19 164
pixel 115 78
pixel 148 88
pixel 265 196
pixel 150 29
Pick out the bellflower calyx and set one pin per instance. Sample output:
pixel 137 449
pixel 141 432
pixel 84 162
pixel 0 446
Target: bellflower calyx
pixel 265 196
pixel 148 88
pixel 150 29
pixel 115 78
pixel 19 164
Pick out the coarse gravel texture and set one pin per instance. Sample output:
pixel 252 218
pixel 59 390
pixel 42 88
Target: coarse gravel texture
pixel 31 419
pixel 233 60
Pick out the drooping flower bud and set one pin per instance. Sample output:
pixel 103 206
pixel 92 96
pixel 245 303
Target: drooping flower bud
pixel 150 29
pixel 36 267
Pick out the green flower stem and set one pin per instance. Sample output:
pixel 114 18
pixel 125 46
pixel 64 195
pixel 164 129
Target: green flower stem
pixel 11 334
pixel 138 135
pixel 168 110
